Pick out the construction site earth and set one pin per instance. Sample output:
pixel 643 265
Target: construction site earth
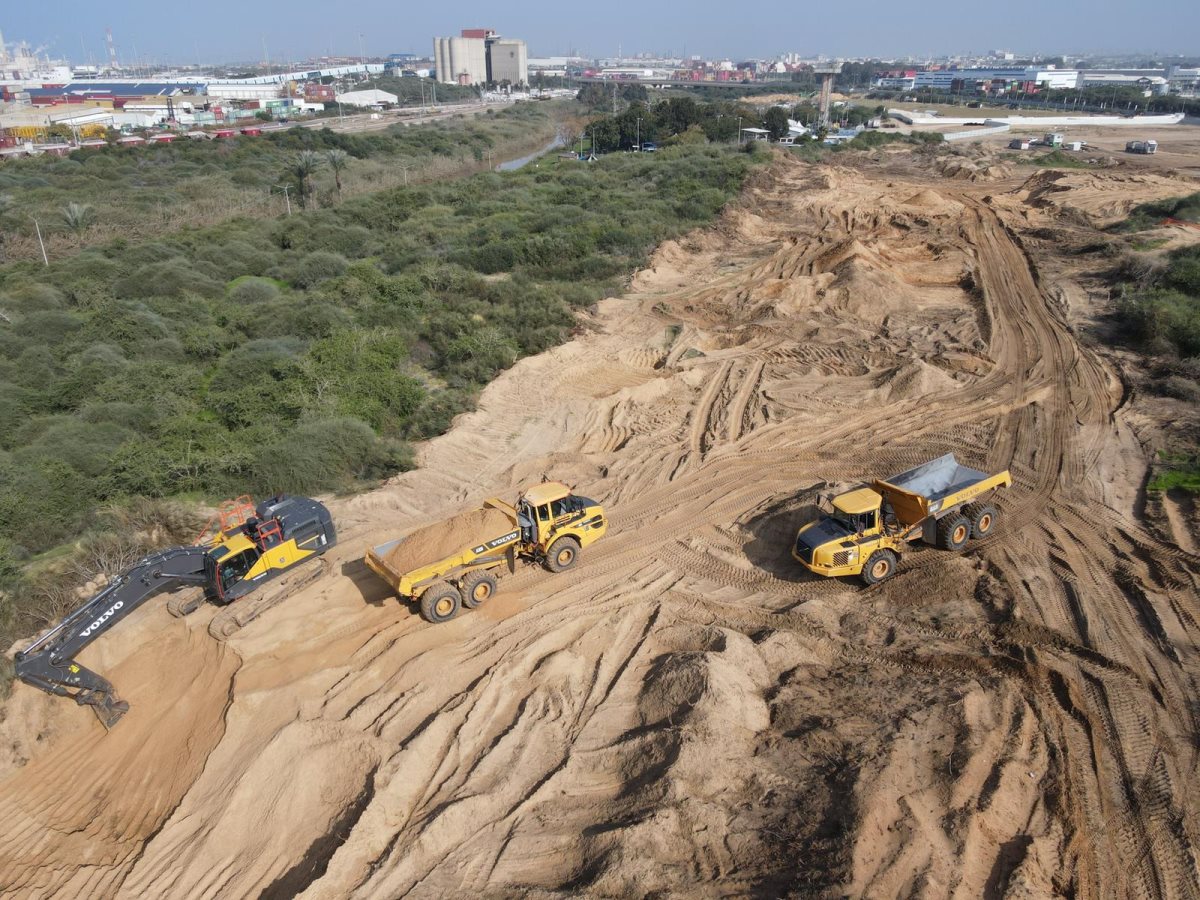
pixel 688 711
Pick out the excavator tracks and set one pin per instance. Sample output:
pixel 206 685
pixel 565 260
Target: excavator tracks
pixel 241 613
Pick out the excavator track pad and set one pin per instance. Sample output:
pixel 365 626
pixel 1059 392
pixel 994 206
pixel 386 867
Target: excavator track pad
pixel 241 613
pixel 185 602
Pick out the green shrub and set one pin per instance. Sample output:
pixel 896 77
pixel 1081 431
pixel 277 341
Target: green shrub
pixel 326 454
pixel 252 290
pixel 315 268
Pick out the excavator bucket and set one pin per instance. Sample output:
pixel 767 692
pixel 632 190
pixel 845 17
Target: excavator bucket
pixel 105 705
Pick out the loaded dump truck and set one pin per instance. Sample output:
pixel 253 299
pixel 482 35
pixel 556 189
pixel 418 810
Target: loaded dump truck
pixel 864 531
pixel 457 563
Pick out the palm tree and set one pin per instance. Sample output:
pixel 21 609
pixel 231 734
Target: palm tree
pixel 338 160
pixel 303 166
pixel 79 218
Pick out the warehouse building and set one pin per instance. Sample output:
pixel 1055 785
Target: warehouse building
pixel 373 99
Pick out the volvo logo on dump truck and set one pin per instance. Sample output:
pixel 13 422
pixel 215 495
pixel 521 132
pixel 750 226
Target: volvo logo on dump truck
pixel 864 531
pixel 497 542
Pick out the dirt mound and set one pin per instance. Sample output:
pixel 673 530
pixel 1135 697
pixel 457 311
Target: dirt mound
pixel 967 169
pixel 934 202
pixel 441 539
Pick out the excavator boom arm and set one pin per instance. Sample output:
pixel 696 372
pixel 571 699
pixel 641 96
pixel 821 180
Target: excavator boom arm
pixel 48 663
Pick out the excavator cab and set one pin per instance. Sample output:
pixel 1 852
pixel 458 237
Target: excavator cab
pixel 235 569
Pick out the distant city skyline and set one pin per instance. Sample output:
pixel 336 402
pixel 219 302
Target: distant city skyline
pixel 227 31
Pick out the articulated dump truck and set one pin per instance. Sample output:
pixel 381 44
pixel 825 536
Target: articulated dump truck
pixel 864 531
pixel 455 564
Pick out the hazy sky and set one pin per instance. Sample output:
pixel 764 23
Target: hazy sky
pixel 219 30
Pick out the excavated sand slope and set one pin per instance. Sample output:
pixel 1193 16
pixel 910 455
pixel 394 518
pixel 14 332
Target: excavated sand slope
pixel 686 711
pixel 440 539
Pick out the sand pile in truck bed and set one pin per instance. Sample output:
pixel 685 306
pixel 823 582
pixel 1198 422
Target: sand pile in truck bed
pixel 441 539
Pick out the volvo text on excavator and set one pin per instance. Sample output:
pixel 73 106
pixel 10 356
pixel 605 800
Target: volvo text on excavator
pixel 244 548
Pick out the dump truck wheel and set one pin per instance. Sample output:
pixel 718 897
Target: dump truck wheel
pixel 983 520
pixel 440 603
pixel 562 554
pixel 880 566
pixel 477 589
pixel 953 531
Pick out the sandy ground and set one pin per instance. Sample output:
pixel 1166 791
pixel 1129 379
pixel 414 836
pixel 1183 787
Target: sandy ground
pixel 687 713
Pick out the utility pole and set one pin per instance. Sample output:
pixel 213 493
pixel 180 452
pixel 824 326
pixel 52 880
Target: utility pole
pixel 41 243
pixel 405 170
pixel 639 133
pixel 286 198
pixel 739 139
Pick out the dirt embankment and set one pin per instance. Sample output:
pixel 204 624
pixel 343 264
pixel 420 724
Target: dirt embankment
pixel 686 711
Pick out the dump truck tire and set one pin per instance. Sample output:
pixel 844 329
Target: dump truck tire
pixel 440 603
pixel 477 589
pixel 562 554
pixel 880 566
pixel 953 531
pixel 983 519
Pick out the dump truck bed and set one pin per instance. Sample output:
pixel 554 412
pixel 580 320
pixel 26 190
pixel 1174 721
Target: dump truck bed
pixel 935 486
pixel 490 552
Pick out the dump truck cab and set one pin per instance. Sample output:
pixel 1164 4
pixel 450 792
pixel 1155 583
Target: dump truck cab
pixel 847 532
pixel 548 509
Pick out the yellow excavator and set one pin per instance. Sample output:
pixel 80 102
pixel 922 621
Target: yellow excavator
pixel 864 531
pixel 243 549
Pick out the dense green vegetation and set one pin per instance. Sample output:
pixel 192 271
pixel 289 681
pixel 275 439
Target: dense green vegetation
pixel 1162 309
pixel 144 190
pixel 1178 472
pixel 302 353
pixel 1159 309
pixel 674 119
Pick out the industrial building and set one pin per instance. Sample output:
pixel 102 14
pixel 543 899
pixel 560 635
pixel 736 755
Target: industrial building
pixel 996 80
pixel 480 56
